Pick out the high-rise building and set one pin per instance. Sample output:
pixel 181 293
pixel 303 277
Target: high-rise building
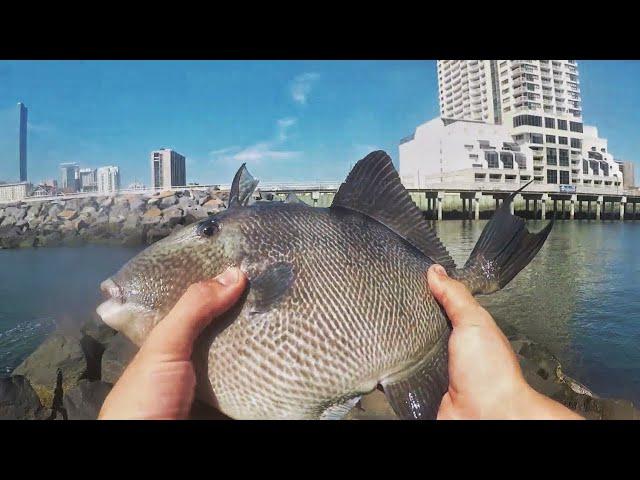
pixel 167 169
pixel 69 177
pixel 108 179
pixel 539 104
pixel 628 172
pixel 22 141
pixel 88 180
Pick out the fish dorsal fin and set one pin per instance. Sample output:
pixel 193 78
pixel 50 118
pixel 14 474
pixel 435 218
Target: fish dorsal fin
pixel 373 188
pixel 242 187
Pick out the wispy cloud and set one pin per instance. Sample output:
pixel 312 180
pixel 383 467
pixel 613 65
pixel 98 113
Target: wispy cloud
pixel 39 128
pixel 301 87
pixel 260 151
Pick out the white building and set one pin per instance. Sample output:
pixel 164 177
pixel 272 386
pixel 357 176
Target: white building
pixel 108 179
pixel 539 104
pixel 69 177
pixel 88 180
pixel 463 152
pixel 167 169
pixel 11 192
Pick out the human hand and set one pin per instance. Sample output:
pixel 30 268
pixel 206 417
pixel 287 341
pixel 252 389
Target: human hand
pixel 160 381
pixel 485 379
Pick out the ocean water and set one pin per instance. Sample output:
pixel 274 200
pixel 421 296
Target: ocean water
pixel 580 297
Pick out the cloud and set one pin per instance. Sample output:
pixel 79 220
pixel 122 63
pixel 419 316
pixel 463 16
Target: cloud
pixel 301 87
pixel 39 128
pixel 260 151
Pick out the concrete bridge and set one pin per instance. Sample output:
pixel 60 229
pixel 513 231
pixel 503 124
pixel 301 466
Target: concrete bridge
pixel 537 201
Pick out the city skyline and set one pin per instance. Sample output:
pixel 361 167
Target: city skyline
pixel 289 120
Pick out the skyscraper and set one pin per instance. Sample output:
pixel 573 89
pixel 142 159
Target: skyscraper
pixel 22 141
pixel 69 177
pixel 88 180
pixel 167 169
pixel 108 179
pixel 537 103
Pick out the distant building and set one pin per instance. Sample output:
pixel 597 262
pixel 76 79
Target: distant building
pixel 167 169
pixel 628 173
pixel 11 192
pixel 136 186
pixel 50 182
pixel 69 177
pixel 88 180
pixel 108 179
pixel 22 141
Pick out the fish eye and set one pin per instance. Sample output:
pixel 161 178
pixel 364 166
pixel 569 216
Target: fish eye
pixel 208 228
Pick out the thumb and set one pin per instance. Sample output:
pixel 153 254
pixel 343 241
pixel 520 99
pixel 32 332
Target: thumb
pixel 203 301
pixel 461 307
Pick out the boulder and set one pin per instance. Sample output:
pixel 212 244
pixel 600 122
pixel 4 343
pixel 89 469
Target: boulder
pixel 168 201
pixel 165 194
pixel 158 233
pixel 152 216
pixel 15 212
pixel 83 402
pixel 98 330
pixel 172 216
pixel 59 351
pixel 116 357
pixel 136 203
pixel 8 221
pixel 19 401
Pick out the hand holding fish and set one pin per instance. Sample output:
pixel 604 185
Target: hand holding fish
pixel 485 379
pixel 160 381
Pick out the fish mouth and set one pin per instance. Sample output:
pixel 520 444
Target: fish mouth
pixel 112 291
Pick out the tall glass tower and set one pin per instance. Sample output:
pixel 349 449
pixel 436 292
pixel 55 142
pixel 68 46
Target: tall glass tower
pixel 22 141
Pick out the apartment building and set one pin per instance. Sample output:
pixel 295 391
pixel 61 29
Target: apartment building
pixel 539 104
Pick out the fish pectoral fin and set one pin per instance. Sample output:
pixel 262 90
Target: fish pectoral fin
pixel 417 395
pixel 242 187
pixel 338 410
pixel 270 286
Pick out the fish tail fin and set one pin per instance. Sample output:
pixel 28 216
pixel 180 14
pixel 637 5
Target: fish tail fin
pixel 504 248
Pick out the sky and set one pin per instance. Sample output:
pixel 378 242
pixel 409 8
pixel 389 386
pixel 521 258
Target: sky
pixel 288 120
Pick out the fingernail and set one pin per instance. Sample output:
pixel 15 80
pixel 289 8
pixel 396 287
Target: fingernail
pixel 439 269
pixel 228 277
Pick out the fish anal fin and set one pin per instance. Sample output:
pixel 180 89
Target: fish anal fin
pixel 338 410
pixel 268 288
pixel 373 188
pixel 417 394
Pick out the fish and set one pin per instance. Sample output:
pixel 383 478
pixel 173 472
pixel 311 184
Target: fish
pixel 337 302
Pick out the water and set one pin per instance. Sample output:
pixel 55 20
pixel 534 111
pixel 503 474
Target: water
pixel 579 297
pixel 40 288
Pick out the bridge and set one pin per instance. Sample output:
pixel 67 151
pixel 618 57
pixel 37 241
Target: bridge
pixel 535 201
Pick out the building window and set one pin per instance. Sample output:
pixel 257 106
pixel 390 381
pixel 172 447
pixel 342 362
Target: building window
pixel 552 159
pixel 507 159
pixel 537 138
pixel 564 157
pixel 562 124
pixel 562 140
pixel 550 122
pixel 585 167
pixel 594 167
pixel 576 143
pixel 552 176
pixel 564 177
pixel 492 159
pixel 551 139
pixel 605 168
pixel 575 126
pixel 531 120
pixel 521 160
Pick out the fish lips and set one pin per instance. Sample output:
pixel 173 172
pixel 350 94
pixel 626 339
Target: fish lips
pixel 115 311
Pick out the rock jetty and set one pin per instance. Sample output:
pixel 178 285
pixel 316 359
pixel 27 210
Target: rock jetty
pixel 93 357
pixel 128 219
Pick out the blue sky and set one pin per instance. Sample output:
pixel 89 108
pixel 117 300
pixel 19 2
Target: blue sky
pixel 289 120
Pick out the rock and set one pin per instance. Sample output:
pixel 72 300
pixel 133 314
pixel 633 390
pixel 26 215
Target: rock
pixel 116 357
pixel 136 203
pixel 152 216
pixel 172 216
pixel 157 233
pixel 18 400
pixel 98 330
pixel 168 201
pixel 107 202
pixel 8 221
pixel 83 402
pixel 16 212
pixel 165 194
pixel 60 350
